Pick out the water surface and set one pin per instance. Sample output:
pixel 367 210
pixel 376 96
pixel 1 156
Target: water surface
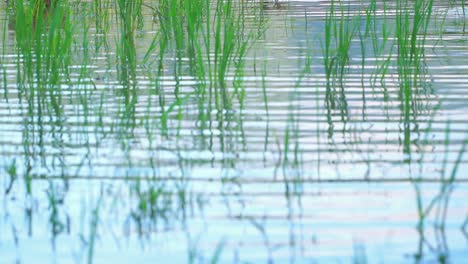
pixel 118 144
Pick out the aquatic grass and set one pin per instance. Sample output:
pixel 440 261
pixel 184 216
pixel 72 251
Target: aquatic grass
pixel 83 91
pixel 245 39
pixel 46 53
pixel 148 162
pixel 231 43
pixel 129 20
pixel 232 40
pixel 363 70
pixel 461 17
pixel 340 30
pixel 58 55
pixel 215 42
pixel 129 14
pixel 411 29
pixel 158 89
pixel 4 78
pixel 292 170
pixel 176 13
pixel 195 12
pixel 370 18
pixel 102 19
pixel 382 47
pixel 377 51
pixel 267 111
pixel 224 45
pixel 84 79
pixel 43 43
pixel 24 44
pixel 57 61
pixel 328 62
pixel 344 32
pixel 174 19
pixel 463 14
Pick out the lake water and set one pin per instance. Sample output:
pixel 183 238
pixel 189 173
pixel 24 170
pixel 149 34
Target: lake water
pixel 233 132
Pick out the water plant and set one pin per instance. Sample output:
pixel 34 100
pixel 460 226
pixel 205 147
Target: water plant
pixel 157 103
pixel 340 29
pixel 412 23
pixel 3 62
pixel 43 45
pixel 378 31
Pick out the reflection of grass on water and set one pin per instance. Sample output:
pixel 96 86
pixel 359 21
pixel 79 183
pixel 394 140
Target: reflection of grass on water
pixel 196 256
pixel 3 74
pixel 214 42
pixel 210 44
pixel 412 23
pixel 438 204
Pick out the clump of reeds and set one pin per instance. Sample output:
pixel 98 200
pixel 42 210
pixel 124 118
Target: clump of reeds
pixel 130 19
pixel 43 40
pixel 340 30
pixel 412 23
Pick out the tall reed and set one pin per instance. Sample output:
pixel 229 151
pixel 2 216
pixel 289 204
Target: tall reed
pixel 412 23
pixel 340 30
pixel 43 40
pixel 3 75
